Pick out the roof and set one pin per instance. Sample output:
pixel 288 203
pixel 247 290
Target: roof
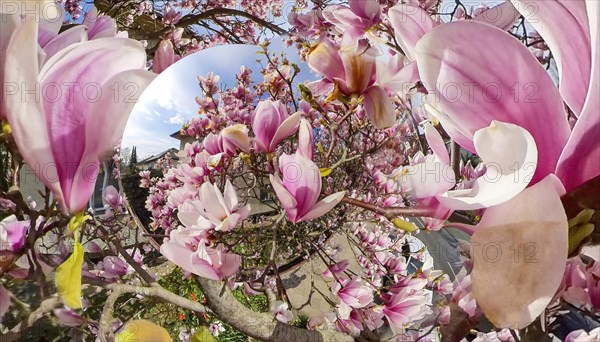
pixel 177 135
pixel 172 151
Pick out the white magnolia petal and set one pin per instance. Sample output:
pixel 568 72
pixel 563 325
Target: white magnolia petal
pixel 510 156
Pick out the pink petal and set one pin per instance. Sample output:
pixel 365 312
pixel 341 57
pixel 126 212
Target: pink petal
pixel 99 26
pixel 202 267
pixel 104 128
pixel 454 65
pixel 323 206
pixel 15 233
pixel 286 129
pixel 75 34
pixel 68 317
pixel 306 139
pixel 519 253
pixel 265 122
pixel 459 134
pixel 410 23
pixel 379 107
pixel 26 118
pixel 402 81
pixel 178 255
pixel 369 9
pixel 503 16
pixel 301 178
pixel 325 60
pixel 235 136
pixel 563 24
pixel 342 17
pixel 230 264
pixel 48 29
pixel 188 215
pixel 164 56
pixel 436 143
pixel 288 201
pixel 358 70
pixel 580 160
pixel 427 179
pixel 510 155
pixel 320 88
pixel 230 196
pixel 212 203
pixel 67 120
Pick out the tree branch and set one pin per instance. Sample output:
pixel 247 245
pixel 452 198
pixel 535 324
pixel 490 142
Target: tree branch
pixel 154 290
pixel 15 333
pixel 192 19
pixel 258 325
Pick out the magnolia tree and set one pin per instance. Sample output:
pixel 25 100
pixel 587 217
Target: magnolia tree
pixel 427 117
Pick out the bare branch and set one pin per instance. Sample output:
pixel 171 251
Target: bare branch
pixel 258 325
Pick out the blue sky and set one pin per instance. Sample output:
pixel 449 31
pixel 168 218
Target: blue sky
pixel 169 101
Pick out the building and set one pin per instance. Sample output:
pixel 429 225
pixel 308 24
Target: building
pixel 151 162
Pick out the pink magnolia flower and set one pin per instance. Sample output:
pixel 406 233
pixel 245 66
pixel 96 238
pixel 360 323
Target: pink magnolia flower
pixel 403 308
pixel 111 197
pixel 593 285
pixel 235 137
pixel 410 22
pixel 213 209
pixel 99 26
pixel 271 124
pixel 63 134
pixel 306 139
pixel 164 56
pixel 192 253
pixel 574 283
pixel 353 71
pixel 113 267
pixel 281 312
pixel 170 16
pixel 300 188
pixel 559 148
pixel 356 18
pixel 336 269
pixel 463 296
pixel 213 144
pixel 536 215
pixel 503 335
pixel 12 233
pixel 196 172
pixel 68 317
pixel 353 294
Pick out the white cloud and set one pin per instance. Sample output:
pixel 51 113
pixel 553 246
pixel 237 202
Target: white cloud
pixel 177 119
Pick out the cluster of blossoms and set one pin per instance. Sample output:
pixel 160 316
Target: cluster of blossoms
pixel 276 178
pixel 581 284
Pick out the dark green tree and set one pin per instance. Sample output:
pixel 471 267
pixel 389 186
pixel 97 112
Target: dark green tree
pixel 133 160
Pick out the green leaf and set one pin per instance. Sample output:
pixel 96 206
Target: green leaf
pixel 202 335
pixel 68 278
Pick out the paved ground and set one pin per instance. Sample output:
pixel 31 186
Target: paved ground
pixel 308 290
